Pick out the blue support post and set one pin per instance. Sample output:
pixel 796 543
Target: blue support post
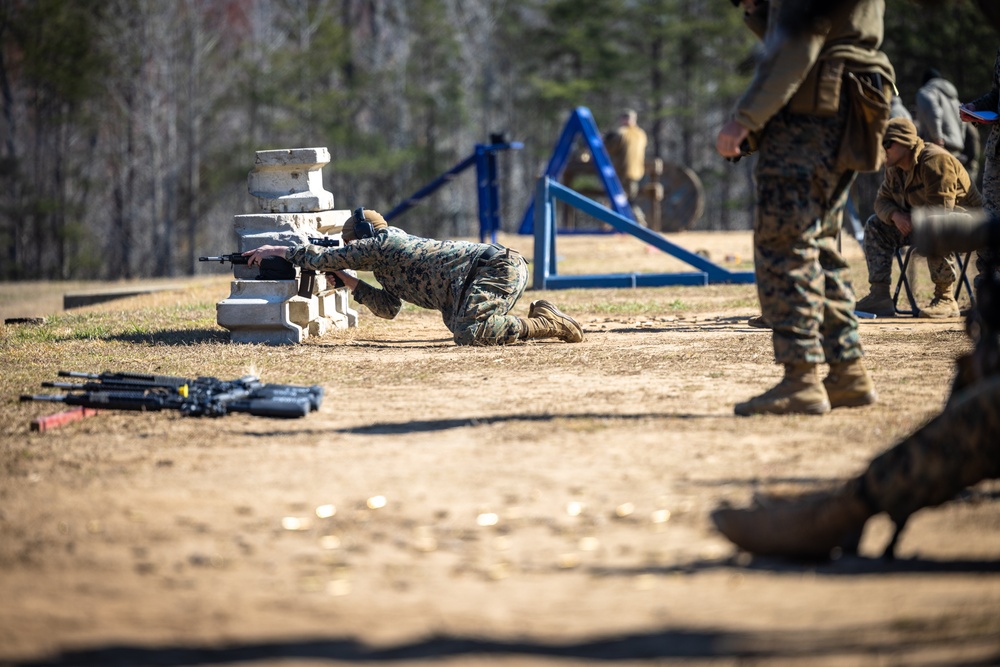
pixel 545 276
pixel 487 186
pixel 581 123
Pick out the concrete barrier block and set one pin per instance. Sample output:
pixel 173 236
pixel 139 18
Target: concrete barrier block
pixel 256 311
pixel 301 311
pixel 290 180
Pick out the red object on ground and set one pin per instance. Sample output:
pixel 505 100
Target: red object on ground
pixel 43 424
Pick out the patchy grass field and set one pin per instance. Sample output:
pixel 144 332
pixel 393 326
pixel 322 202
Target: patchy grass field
pixel 538 504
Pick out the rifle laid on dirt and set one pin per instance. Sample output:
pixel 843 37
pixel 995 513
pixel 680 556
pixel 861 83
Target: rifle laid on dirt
pixel 198 397
pixel 277 268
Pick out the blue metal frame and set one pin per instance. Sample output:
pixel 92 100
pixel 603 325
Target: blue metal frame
pixel 545 271
pixel 581 122
pixel 487 186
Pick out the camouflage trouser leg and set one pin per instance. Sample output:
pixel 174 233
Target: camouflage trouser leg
pixel 881 241
pixel 482 318
pixel 802 280
pixel 955 450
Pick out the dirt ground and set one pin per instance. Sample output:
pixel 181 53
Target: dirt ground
pixel 537 504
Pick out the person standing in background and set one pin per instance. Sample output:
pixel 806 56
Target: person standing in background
pixel 627 147
pixel 798 107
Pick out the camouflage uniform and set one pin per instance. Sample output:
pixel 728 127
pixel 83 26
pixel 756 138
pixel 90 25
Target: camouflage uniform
pixel 473 296
pixel 802 280
pixel 937 179
pixel 991 170
pixel 955 450
pixel 881 241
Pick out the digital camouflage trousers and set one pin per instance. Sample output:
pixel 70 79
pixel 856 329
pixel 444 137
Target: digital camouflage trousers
pixel 953 451
pixel 483 316
pixel 802 280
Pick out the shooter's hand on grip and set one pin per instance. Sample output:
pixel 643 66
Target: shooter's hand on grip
pixel 255 256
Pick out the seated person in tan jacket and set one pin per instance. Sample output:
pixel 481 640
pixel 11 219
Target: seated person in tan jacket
pixel 917 174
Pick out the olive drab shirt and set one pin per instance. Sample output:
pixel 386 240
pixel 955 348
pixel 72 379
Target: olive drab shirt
pixel 805 70
pixel 426 272
pixel 937 179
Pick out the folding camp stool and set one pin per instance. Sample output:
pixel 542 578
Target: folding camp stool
pixel 903 261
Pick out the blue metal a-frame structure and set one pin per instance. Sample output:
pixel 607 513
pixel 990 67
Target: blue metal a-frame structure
pixel 545 272
pixel 540 220
pixel 485 159
pixel 581 123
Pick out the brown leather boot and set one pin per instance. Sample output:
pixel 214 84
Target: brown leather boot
pixel 877 302
pixel 799 392
pixel 547 321
pixel 848 385
pixel 807 527
pixel 942 305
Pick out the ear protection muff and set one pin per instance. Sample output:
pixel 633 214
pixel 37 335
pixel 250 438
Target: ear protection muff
pixel 363 228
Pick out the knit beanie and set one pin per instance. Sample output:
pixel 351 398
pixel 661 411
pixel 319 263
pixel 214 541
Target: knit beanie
pixel 374 217
pixel 901 131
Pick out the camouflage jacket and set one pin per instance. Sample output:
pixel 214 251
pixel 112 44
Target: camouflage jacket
pixel 937 179
pixel 425 272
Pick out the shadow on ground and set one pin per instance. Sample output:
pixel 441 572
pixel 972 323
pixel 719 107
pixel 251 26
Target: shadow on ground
pixel 658 645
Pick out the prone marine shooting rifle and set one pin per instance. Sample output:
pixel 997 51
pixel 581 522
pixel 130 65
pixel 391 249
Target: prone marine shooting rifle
pixel 278 268
pixel 198 397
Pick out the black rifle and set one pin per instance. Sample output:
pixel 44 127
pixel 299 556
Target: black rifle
pixel 198 397
pixel 278 268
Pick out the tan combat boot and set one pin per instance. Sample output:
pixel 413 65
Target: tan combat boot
pixel 808 527
pixel 799 392
pixel 547 321
pixel 942 305
pixel 848 385
pixel 878 302
pixel 758 322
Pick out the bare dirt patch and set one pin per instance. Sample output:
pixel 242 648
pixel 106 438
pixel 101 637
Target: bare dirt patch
pixel 536 504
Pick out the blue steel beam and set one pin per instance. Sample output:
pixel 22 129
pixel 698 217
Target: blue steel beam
pixel 545 276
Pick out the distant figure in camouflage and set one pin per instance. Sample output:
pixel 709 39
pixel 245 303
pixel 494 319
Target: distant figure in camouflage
pixel 473 285
pixel 917 174
pixel 991 170
pixel 797 108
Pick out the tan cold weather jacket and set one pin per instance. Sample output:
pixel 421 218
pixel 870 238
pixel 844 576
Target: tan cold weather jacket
pixel 627 148
pixel 805 70
pixel 937 179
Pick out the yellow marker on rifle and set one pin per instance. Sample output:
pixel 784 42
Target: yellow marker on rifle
pixel 183 390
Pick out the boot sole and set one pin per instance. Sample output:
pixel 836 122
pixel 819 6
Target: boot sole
pixel 856 402
pixel 812 409
pixel 924 315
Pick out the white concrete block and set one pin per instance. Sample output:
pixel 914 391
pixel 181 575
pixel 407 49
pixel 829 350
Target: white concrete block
pixel 290 181
pixel 256 311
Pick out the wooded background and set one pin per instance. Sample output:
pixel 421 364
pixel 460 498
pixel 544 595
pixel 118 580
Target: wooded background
pixel 129 126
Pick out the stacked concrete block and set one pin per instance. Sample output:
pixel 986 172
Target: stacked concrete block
pixel 287 186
